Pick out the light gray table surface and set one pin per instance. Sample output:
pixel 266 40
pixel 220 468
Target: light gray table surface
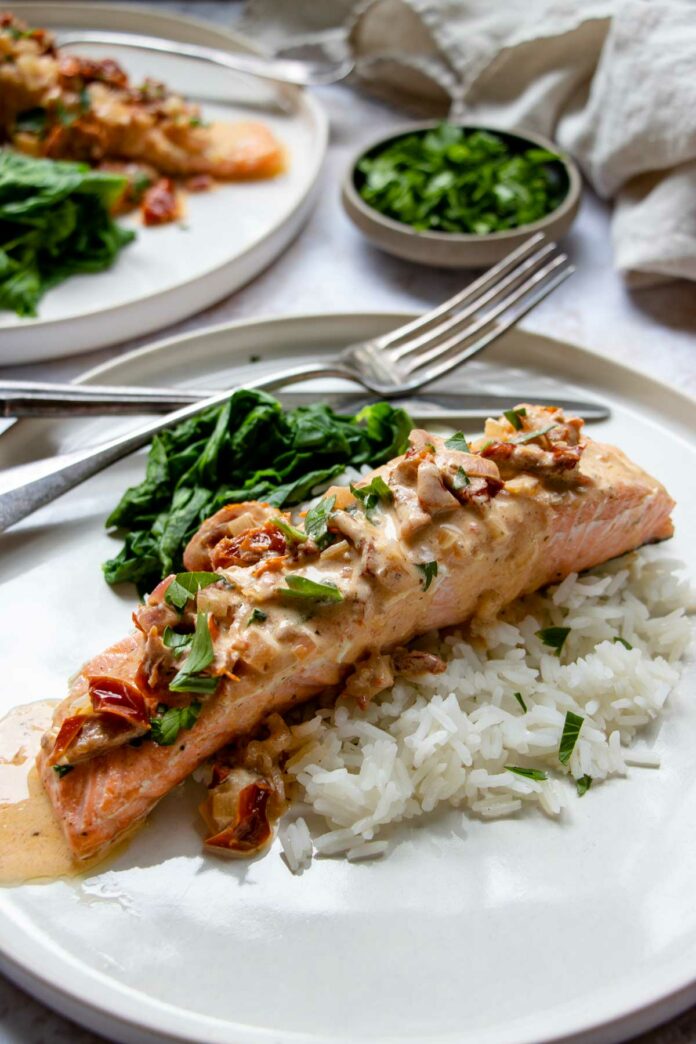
pixel 330 268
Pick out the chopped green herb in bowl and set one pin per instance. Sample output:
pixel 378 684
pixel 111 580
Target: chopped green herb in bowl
pixel 460 196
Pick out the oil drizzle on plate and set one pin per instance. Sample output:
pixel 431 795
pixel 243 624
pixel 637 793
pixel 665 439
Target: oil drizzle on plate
pixel 31 841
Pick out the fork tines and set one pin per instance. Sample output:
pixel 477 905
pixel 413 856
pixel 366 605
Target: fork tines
pixel 467 322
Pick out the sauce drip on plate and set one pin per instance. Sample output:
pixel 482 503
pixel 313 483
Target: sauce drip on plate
pixel 31 840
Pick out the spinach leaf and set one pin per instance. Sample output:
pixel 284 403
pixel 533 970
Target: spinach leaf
pixel 248 449
pixel 55 222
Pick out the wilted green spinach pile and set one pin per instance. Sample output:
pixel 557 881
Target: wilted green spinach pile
pixel 55 222
pixel 449 179
pixel 248 449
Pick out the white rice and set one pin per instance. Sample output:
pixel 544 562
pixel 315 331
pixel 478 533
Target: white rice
pixel 447 739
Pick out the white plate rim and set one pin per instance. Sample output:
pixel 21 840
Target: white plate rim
pixel 257 255
pixel 671 988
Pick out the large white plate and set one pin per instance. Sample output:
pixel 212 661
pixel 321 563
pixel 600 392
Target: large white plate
pixel 510 931
pixel 227 236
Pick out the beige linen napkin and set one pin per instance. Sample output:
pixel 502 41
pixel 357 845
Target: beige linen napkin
pixel 613 81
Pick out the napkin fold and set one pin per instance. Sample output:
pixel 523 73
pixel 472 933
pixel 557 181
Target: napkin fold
pixel 612 81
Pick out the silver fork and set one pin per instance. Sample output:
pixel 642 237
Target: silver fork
pixel 391 365
pixel 304 65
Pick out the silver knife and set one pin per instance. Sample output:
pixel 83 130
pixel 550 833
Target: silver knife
pixel 43 399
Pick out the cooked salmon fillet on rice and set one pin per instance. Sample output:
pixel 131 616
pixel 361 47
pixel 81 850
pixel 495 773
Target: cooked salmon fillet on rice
pixel 271 614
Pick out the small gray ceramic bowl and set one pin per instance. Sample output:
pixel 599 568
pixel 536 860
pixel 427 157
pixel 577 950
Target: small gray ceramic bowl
pixel 454 249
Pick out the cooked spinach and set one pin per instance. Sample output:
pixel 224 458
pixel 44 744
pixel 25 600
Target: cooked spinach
pixel 247 449
pixel 450 179
pixel 54 223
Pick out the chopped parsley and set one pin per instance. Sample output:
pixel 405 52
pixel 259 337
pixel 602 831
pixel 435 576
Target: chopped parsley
pixel 185 585
pixel 452 179
pixel 257 616
pixel 429 571
pixel 520 700
pixel 583 784
pixel 458 442
pixel 515 417
pixel 303 587
pixel 201 655
pixel 554 637
pixel 32 121
pixel 291 533
pixel 65 117
pixel 528 773
pixel 371 494
pixel 461 479
pixel 165 728
pixel 62 770
pixel 569 737
pixel 178 643
pixel 529 436
pixel 622 641
pixel 316 521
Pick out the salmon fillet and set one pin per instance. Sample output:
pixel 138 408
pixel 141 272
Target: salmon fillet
pixel 436 537
pixel 67 107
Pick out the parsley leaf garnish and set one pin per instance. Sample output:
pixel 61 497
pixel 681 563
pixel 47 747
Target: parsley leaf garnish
pixel 583 784
pixel 458 442
pixel 32 121
pixel 257 616
pixel 569 737
pixel 303 587
pixel 200 657
pixel 371 494
pixel 554 637
pixel 528 773
pixel 179 643
pixel 622 641
pixel 429 571
pixel 295 536
pixel 520 700
pixel 461 479
pixel 529 436
pixel 165 728
pixel 62 770
pixel 514 416
pixel 185 585
pixel 316 521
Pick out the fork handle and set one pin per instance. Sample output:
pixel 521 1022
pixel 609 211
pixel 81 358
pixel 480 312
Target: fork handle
pixel 20 498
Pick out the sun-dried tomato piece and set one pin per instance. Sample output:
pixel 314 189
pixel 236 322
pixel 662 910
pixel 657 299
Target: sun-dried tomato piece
pixel 68 733
pixel 87 70
pixel 160 203
pixel 115 696
pixel 251 829
pixel 249 547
